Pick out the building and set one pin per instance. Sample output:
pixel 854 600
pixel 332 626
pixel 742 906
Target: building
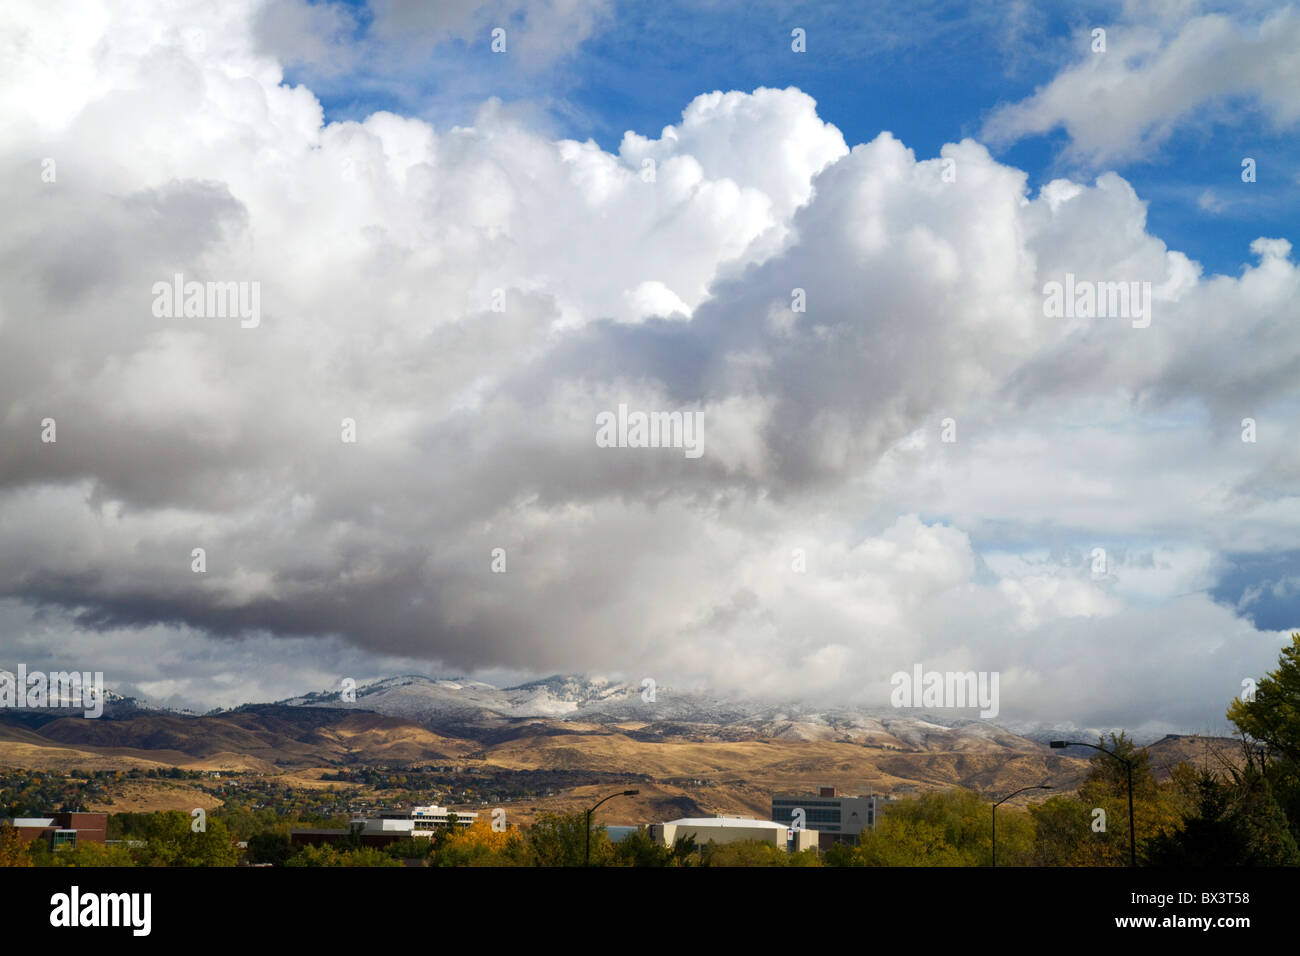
pixel 720 830
pixel 834 818
pixel 387 827
pixel 63 829
pixel 617 834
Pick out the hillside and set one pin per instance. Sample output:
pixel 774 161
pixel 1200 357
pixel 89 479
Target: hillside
pixel 687 753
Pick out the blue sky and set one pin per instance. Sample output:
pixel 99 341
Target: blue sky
pixel 468 263
pixel 930 73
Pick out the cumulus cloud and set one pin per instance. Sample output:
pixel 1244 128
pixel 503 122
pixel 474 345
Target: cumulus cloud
pixel 471 298
pixel 1157 73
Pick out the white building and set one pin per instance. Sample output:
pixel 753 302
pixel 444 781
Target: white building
pixel 734 830
pixel 418 821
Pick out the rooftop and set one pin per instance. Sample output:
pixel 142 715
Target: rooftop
pixel 727 822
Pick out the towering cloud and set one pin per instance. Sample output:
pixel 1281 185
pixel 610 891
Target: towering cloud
pixel 402 457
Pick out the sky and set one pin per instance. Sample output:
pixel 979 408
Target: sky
pixel 826 232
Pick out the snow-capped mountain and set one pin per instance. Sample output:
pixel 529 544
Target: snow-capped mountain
pixel 56 696
pixel 450 704
pixel 424 698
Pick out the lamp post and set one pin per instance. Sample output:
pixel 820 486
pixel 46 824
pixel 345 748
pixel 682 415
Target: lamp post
pixel 1128 766
pixel 1041 786
pixel 621 793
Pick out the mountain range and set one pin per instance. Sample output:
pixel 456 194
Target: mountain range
pixel 688 752
pixel 475 709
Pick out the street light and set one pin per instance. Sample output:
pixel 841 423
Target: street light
pixel 621 793
pixel 1128 766
pixel 1041 786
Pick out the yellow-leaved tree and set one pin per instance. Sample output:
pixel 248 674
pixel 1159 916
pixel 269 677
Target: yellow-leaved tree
pixel 480 845
pixel 13 852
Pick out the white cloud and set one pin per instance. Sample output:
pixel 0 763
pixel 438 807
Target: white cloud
pixel 1122 104
pixel 381 246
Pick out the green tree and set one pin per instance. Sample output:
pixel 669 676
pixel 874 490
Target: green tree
pixel 1233 822
pixel 411 848
pixel 169 840
pixel 1270 729
pixel 89 854
pixel 756 853
pixel 948 828
pixel 269 846
pixel 641 849
pixel 1062 826
pixel 843 854
pixel 559 839
pixel 1157 809
pixel 326 855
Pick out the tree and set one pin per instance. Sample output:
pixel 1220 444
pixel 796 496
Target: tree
pixel 756 853
pixel 1157 809
pixel 89 854
pixel 269 846
pixel 842 854
pixel 480 845
pixel 949 828
pixel 169 840
pixel 639 848
pixel 1270 729
pixel 1273 717
pixel 13 851
pixel 559 839
pixel 411 848
pixel 1232 823
pixel 326 855
pixel 1062 827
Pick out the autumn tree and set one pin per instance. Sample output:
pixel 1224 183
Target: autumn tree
pixel 13 852
pixel 480 845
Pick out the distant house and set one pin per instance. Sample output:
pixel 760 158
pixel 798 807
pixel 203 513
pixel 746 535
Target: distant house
pixel 63 829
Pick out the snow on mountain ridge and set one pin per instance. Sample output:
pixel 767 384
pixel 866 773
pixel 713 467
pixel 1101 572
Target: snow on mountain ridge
pixel 600 700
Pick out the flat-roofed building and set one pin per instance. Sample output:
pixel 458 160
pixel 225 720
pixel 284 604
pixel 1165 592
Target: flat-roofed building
pixel 833 817
pixel 66 828
pixel 387 827
pixel 721 830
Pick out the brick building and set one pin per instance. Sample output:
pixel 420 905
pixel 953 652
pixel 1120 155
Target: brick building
pixel 63 829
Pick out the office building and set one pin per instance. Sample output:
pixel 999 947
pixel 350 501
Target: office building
pixel 833 817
